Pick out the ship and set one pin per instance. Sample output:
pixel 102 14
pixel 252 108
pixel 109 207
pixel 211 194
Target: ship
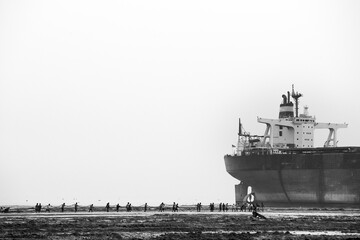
pixel 283 167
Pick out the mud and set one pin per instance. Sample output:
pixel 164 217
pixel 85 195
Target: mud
pixel 307 224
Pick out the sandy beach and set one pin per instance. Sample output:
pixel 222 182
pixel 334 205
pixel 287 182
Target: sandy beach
pixel 280 224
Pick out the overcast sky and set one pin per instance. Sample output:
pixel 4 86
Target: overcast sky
pixel 139 100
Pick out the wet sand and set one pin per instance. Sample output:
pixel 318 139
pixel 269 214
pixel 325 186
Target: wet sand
pixel 280 224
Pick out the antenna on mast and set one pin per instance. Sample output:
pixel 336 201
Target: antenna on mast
pixel 296 97
pixel 240 133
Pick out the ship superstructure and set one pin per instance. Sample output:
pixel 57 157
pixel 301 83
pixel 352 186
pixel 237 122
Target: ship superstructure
pixel 283 167
pixel 289 130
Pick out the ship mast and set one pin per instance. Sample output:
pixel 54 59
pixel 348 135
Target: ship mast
pixel 238 147
pixel 296 97
pixel 239 134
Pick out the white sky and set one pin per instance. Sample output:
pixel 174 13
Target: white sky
pixel 139 100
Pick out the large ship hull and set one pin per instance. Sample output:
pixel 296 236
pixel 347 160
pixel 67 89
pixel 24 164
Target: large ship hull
pixel 299 179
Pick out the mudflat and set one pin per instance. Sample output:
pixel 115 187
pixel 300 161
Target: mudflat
pixel 279 224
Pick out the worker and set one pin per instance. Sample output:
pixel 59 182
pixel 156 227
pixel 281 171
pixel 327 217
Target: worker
pixel 48 208
pixel 145 207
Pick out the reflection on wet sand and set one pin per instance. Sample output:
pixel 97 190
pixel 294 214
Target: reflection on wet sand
pixel 289 224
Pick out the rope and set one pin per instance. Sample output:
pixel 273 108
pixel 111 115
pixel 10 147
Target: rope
pixel 113 208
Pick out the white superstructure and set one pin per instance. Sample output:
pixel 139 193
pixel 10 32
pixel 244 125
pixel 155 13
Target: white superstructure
pixel 296 132
pixel 289 130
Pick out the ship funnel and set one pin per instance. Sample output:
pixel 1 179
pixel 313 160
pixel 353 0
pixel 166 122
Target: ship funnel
pixel 286 107
pixel 288 96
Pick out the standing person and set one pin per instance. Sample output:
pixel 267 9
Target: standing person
pixel 177 207
pixel 48 208
pixel 223 207
pixel 107 207
pixel 250 207
pixel 39 207
pixel 128 207
pixel 161 207
pixel 91 208
pixel 36 207
pixel 242 208
pixel 76 207
pixel 145 207
pixel 220 207
pixel 117 207
pixel 234 207
pixel 62 207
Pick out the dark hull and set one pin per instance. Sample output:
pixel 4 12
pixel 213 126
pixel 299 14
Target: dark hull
pixel 300 179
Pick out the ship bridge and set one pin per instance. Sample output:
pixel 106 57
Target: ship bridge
pixel 295 130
